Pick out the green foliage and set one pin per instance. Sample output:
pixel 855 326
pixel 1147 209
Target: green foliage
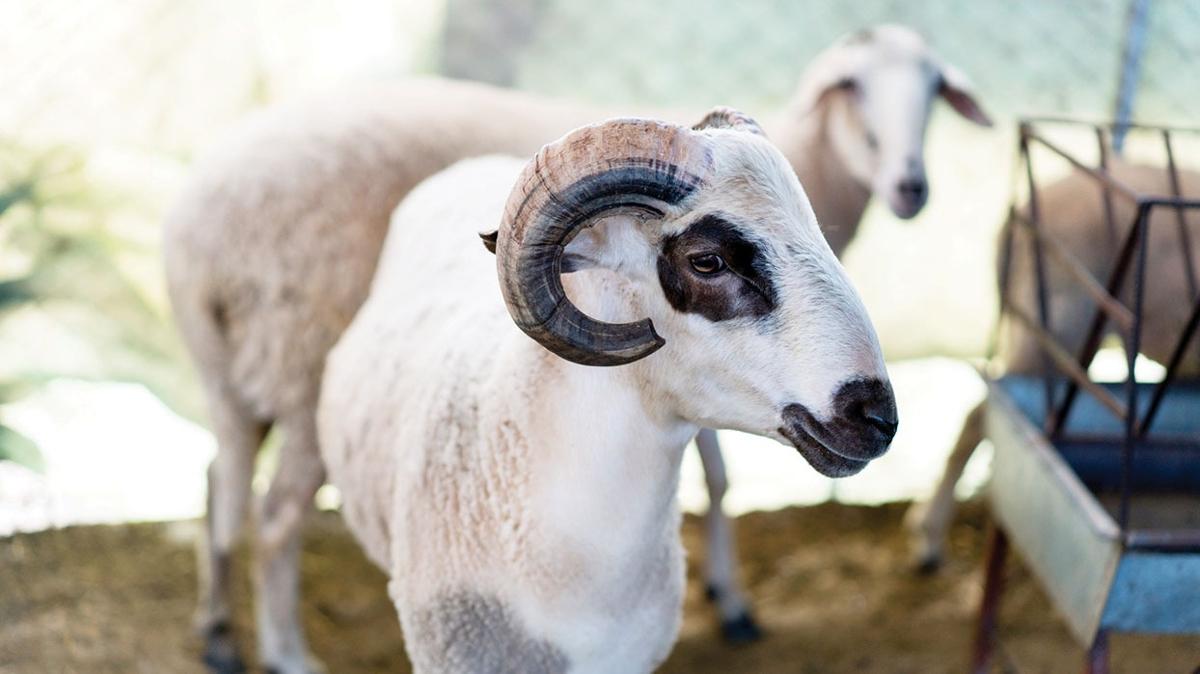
pixel 19 449
pixel 71 303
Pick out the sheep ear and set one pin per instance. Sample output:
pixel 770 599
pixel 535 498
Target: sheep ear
pixel 824 79
pixel 490 239
pixel 586 251
pixel 956 89
pixel 605 243
pixel 722 117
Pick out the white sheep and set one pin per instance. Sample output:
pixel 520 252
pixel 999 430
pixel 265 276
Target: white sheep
pixel 1072 212
pixel 271 248
pixel 522 500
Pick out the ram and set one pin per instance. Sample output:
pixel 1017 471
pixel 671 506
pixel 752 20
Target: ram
pixel 520 495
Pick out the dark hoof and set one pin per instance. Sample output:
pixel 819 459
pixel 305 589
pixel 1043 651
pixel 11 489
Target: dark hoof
pixel 220 651
pixel 741 630
pixel 928 566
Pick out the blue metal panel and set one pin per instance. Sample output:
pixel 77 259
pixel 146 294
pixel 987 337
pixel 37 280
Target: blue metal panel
pixel 1167 466
pixel 1155 592
pixel 1176 417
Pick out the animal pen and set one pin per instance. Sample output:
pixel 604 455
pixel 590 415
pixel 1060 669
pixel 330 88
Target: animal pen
pixel 1099 493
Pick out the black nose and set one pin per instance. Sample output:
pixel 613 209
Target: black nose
pixel 881 415
pixel 912 189
pixel 870 404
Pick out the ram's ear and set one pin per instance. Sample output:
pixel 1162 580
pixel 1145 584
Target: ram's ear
pixel 586 251
pixel 489 240
pixel 614 242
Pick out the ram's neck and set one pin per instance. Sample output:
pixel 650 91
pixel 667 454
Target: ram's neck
pixel 838 198
pixel 604 454
pixel 598 527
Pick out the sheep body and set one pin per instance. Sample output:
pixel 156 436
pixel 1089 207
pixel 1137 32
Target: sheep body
pixel 432 428
pixel 278 232
pixel 1072 209
pixel 523 504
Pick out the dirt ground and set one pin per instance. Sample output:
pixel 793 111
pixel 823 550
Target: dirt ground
pixel 831 585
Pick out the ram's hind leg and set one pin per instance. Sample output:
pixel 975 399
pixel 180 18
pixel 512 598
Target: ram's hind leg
pixel 239 437
pixel 721 579
pixel 282 647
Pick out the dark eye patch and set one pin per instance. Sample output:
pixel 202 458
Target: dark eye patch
pixel 743 288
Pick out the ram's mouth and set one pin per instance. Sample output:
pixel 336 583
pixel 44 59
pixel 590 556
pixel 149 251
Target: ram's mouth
pixel 826 461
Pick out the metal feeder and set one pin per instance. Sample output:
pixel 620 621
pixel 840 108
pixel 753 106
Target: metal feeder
pixel 1100 494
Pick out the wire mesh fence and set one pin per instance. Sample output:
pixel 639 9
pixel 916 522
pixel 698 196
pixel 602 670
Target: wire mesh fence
pixel 141 87
pixel 157 71
pixel 1026 56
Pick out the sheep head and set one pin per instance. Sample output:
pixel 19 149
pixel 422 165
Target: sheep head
pixel 876 87
pixel 717 245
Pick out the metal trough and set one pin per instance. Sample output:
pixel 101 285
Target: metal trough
pixel 1099 493
pixel 1049 500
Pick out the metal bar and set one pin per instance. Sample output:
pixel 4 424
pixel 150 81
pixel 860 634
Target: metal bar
pixel 1160 390
pixel 1043 305
pixel 1185 243
pixel 1163 540
pixel 1065 362
pixel 1179 442
pixel 1096 658
pixel 1120 187
pixel 1172 202
pixel 1111 305
pixel 1110 223
pixel 1131 62
pixel 1107 179
pixel 989 607
pixel 1138 126
pixel 1006 246
pixel 1132 346
pixel 1095 332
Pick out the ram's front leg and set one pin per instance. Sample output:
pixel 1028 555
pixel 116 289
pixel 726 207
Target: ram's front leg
pixel 721 572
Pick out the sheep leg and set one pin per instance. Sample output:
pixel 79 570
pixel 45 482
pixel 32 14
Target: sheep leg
pixel 229 475
pixel 282 646
pixel 737 623
pixel 929 522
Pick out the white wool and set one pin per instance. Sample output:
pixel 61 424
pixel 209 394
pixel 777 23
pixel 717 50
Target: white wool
pixel 480 470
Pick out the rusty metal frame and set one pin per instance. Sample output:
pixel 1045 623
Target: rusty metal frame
pixel 1130 268
pixel 1068 372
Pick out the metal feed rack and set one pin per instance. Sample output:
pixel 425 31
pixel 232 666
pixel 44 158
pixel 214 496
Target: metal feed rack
pixel 1057 453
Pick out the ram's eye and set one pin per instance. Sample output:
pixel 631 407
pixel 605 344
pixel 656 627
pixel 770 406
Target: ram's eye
pixel 707 264
pixel 872 141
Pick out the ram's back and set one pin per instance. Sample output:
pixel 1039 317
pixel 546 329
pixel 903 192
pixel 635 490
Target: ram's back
pixel 407 383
